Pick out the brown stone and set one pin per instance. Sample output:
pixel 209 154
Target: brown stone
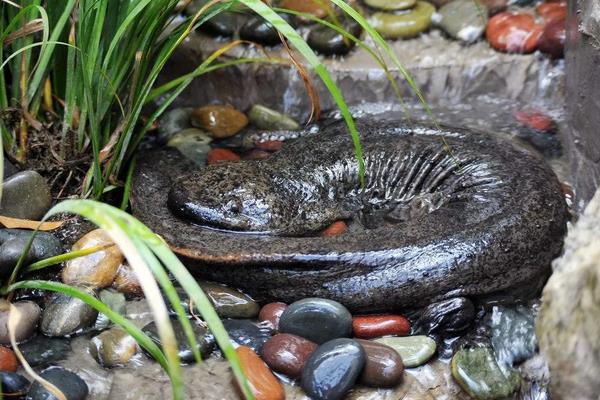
pixel 552 11
pixel 513 32
pixel 96 270
pixel 335 229
pixel 221 121
pixel 383 367
pixel 262 382
pixel 127 282
pixel 553 38
pixel 220 155
pixel 8 360
pixel 287 353
pixel 271 313
pixel 30 315
pixel 313 7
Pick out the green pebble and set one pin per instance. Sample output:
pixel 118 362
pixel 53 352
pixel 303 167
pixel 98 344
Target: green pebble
pixel 267 119
pixel 403 24
pixel 390 5
pixel 193 143
pixel 414 350
pixel 479 374
pixel 463 19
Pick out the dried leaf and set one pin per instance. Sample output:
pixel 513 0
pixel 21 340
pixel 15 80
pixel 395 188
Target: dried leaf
pixel 18 223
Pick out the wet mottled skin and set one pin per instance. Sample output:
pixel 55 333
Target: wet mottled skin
pixel 486 218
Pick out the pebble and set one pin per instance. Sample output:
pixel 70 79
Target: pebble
pixel 97 270
pixel 42 350
pixel 222 24
pixel 553 38
pixel 270 145
pixel 335 229
pixel 513 32
pixel 13 384
pixel 513 334
pixel 263 384
pixel 478 374
pixel 535 119
pixel 414 350
pixel 221 121
pixel 271 313
pixel 286 353
pixel 314 7
pixel 173 121
pixel 66 315
pixel 127 282
pixel 30 315
pixel 374 326
pixel 552 11
pixel 315 319
pixel 271 120
pixel 333 369
pixel 404 24
pixel 193 143
pixel 463 20
pixel 8 360
pixel 221 155
pixel 246 333
pixel 390 5
pixel 115 301
pixel 446 317
pixel 13 243
pixel 230 303
pixel 25 195
pixel 113 348
pixel 204 339
pixel 256 29
pixel 383 366
pixel 329 42
pixel 72 386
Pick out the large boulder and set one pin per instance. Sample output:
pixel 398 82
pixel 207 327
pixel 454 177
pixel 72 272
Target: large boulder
pixel 568 329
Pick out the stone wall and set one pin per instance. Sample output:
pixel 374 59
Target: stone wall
pixel 583 96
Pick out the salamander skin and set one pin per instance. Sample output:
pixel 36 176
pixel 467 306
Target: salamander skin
pixel 442 213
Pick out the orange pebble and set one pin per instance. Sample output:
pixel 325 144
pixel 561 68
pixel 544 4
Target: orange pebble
pixel 270 145
pixel 262 382
pixel 335 229
pixel 8 360
pixel 216 155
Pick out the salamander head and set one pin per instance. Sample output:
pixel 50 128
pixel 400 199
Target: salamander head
pixel 232 196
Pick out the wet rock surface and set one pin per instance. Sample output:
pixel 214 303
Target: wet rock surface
pixel 113 348
pixel 414 350
pixel 30 314
pixel 65 315
pixel 42 350
pixel 287 354
pixel 246 333
pixel 13 243
pixel 383 365
pixel 71 385
pixel 205 340
pixel 13 384
pixel 271 314
pixel 448 316
pixel 25 195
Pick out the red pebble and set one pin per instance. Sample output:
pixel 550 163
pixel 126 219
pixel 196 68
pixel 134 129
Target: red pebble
pixel 513 32
pixel 374 326
pixel 535 119
pixel 553 38
pixel 271 313
pixel 271 145
pixel 216 155
pixel 262 382
pixel 552 11
pixel 256 154
pixel 335 229
pixel 8 360
pixel 286 353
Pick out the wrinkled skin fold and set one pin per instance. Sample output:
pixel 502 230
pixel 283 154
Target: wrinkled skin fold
pixel 443 213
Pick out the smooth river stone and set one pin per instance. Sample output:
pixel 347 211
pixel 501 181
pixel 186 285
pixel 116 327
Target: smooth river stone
pixel 173 121
pixel 193 143
pixel 447 316
pixel 403 24
pixel 115 301
pixel 246 333
pixel 512 334
pixel 13 243
pixel 30 315
pixel 97 270
pixel 414 350
pixel 328 42
pixel 553 38
pixel 462 19
pixel 221 155
pixel 333 369
pixel 478 374
pixel 513 32
pixel 230 303
pixel 383 366
pixel 8 360
pixel 69 383
pixel 113 348
pixel 42 350
pixel 390 5
pixel 268 119
pixel 318 320
pixel 314 7
pixel 204 339
pixel 287 354
pixel 25 195
pixel 262 382
pixel 258 30
pixel 223 24
pixel 221 121
pixel 127 282
pixel 271 313
pixel 13 384
pixel 66 315
pixel 374 326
